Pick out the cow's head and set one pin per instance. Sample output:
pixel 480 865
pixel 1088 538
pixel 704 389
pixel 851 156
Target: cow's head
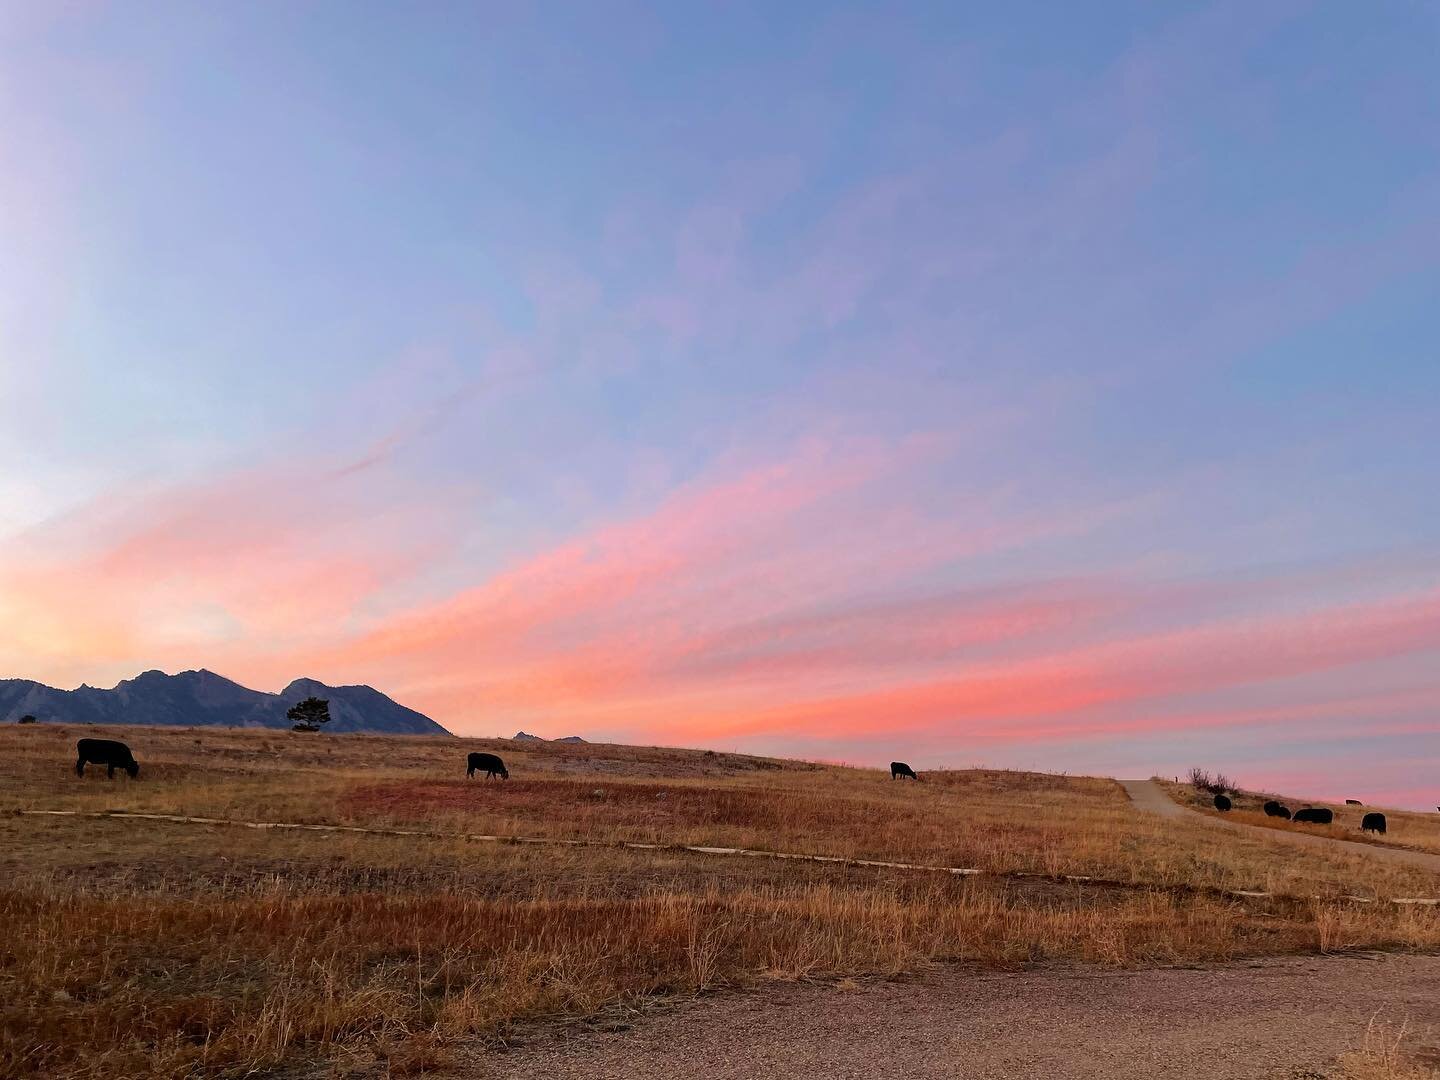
pixel 133 769
pixel 504 773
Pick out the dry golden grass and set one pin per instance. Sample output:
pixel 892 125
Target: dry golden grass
pixel 1403 828
pixel 990 820
pixel 143 948
pixel 1384 1057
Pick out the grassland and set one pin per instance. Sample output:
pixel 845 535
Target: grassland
pixel 1403 828
pixel 144 948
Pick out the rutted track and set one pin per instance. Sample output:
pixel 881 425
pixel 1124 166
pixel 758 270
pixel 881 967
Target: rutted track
pixel 635 845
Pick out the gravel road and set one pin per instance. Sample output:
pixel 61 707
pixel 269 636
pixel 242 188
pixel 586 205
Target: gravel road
pixel 1261 1020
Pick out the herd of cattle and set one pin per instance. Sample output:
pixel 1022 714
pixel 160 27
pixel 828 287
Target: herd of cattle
pixel 1311 815
pixel 116 755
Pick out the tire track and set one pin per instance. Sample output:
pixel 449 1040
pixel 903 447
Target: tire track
pixel 700 849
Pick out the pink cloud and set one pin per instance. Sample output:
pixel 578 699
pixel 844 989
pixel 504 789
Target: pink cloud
pixel 792 600
pixel 214 571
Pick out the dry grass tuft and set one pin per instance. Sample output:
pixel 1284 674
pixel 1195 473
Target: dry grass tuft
pixel 1383 1057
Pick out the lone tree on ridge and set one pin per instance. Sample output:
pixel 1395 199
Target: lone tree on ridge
pixel 309 714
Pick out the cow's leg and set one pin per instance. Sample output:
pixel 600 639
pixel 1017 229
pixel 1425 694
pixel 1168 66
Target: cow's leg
pixel 80 767
pixel 109 772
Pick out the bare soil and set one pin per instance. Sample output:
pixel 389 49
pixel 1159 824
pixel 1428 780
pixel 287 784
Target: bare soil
pixel 1262 1020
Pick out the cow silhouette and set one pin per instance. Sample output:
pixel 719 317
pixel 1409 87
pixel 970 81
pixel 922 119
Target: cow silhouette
pixel 1314 815
pixel 489 764
pixel 899 769
pixel 1373 823
pixel 105 752
pixel 1222 802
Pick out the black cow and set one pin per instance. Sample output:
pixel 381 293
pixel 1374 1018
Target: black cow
pixel 1314 815
pixel 1283 811
pixel 1271 808
pixel 105 752
pixel 1222 802
pixel 1353 802
pixel 491 765
pixel 899 769
pixel 1373 823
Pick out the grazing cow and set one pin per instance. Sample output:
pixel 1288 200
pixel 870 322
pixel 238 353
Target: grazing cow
pixel 1373 823
pixel 491 765
pixel 1222 802
pixel 1314 815
pixel 1353 802
pixel 1271 808
pixel 899 769
pixel 1284 811
pixel 105 752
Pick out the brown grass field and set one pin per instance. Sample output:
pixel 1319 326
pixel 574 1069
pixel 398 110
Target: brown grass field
pixel 1403 828
pixel 142 948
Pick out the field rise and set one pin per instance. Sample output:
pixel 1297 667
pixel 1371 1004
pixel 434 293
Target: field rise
pixel 140 947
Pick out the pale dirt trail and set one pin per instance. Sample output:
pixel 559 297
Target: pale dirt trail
pixel 1150 796
pixel 1264 1020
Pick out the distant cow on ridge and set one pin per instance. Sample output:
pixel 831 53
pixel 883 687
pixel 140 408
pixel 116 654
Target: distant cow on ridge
pixel 1315 815
pixel 1272 809
pixel 1373 823
pixel 489 764
pixel 899 769
pixel 1353 802
pixel 1222 802
pixel 105 752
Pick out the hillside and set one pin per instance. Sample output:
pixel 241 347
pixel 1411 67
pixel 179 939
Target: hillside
pixel 395 876
pixel 205 699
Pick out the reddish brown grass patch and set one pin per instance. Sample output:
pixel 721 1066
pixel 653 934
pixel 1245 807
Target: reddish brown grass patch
pixel 645 810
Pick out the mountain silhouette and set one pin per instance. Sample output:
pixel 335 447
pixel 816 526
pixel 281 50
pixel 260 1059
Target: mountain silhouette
pixel 203 698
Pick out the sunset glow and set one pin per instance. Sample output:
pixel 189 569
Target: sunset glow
pixel 834 384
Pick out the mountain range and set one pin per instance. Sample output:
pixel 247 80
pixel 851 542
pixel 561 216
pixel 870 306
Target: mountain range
pixel 203 698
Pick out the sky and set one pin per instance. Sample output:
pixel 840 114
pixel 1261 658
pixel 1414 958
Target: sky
pixel 1034 385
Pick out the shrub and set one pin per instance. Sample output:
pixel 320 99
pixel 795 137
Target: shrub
pixel 1219 784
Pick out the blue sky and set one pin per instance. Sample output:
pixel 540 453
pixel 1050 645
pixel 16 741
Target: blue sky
pixel 1050 384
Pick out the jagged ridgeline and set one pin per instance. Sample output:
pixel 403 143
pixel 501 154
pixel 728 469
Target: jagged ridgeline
pixel 203 698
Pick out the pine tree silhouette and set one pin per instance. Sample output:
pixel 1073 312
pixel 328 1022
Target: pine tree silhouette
pixel 309 714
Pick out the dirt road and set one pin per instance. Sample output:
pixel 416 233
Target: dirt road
pixel 1256 1021
pixel 1150 796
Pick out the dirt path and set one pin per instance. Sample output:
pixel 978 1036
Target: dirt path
pixel 1257 1021
pixel 1148 795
